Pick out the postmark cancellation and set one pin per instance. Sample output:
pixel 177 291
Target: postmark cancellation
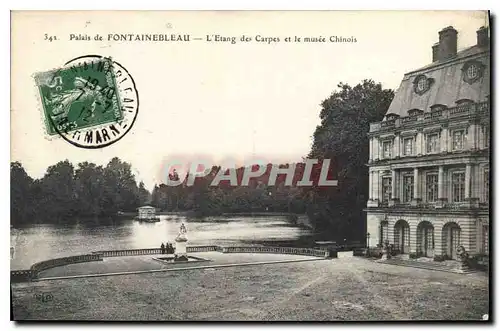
pixel 91 101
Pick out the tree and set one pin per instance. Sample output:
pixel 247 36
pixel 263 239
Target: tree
pixel 21 197
pixel 342 136
pixel 121 192
pixel 144 196
pixel 89 180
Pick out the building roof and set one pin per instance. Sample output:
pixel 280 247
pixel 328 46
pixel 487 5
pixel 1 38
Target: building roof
pixel 448 85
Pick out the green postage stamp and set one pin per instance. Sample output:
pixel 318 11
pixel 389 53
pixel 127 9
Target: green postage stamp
pixel 91 102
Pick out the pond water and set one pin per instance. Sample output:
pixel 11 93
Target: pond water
pixel 42 242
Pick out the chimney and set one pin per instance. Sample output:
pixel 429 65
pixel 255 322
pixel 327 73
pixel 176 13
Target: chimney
pixel 447 43
pixel 483 40
pixel 435 52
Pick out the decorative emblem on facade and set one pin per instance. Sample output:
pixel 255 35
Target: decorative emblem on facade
pixel 472 71
pixel 422 84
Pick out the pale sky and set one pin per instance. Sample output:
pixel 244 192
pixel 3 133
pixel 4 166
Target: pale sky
pixel 217 99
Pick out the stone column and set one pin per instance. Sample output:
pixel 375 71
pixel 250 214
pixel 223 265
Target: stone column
pixel 467 180
pixel 442 188
pixel 418 144
pixel 416 188
pixel 394 188
pixel 370 184
pixel 413 237
pixel 449 139
pixel 441 182
pixel 471 137
pixel 397 146
pixel 393 185
pixel 375 188
pixel 438 239
pixel 371 150
pixel 376 148
pixel 444 140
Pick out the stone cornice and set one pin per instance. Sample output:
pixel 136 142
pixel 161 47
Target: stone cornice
pixel 467 156
pixel 425 211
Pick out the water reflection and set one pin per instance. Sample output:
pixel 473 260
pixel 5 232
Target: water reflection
pixel 41 242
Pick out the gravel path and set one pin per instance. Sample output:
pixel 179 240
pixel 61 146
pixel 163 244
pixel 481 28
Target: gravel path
pixel 340 289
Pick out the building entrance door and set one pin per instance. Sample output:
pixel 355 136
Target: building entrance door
pixel 402 236
pixel 451 235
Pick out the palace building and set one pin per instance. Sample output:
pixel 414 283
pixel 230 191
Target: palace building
pixel 429 168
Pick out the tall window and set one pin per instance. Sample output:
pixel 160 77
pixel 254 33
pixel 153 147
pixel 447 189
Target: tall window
pixel 458 186
pixel 407 188
pixel 387 149
pixel 408 146
pixel 386 189
pixel 432 143
pixel 432 187
pixel 458 140
pixel 486 185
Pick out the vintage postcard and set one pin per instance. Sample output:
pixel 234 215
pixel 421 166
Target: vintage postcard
pixel 250 166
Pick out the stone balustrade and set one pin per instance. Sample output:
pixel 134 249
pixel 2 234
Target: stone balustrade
pixel 27 275
pixel 62 261
pixel 200 249
pixel 18 276
pixel 452 112
pixel 276 250
pixel 130 252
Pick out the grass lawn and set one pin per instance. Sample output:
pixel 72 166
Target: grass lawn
pixel 338 289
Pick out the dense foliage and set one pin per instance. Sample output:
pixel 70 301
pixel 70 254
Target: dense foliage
pixel 64 193
pixel 204 199
pixel 345 121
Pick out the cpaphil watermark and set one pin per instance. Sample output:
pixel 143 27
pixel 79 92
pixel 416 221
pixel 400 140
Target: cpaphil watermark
pixel 310 172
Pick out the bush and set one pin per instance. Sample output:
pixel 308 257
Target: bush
pixel 478 262
pixel 374 252
pixel 359 252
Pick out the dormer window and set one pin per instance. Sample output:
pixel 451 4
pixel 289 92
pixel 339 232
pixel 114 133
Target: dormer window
pixel 438 107
pixel 391 117
pixel 463 102
pixel 472 71
pixel 415 112
pixel 422 84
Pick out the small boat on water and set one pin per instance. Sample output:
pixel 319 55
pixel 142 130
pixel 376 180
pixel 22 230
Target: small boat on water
pixel 147 214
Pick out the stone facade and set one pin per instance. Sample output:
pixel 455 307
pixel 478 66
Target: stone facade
pixel 429 157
